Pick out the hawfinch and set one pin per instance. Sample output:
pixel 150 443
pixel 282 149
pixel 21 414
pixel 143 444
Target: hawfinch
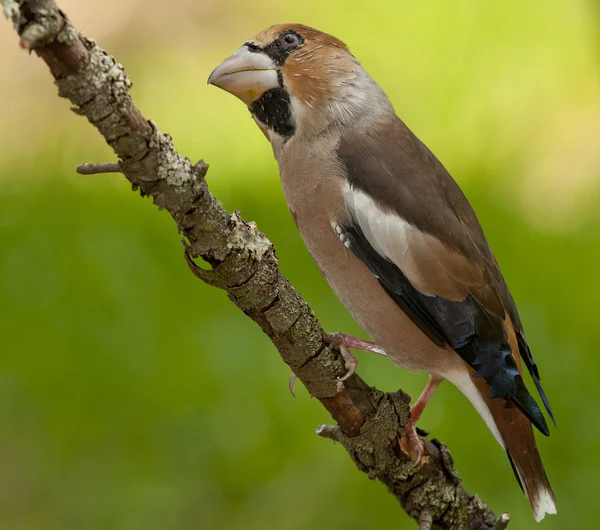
pixel 393 234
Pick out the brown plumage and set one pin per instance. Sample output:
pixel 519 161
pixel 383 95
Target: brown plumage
pixel 517 432
pixel 392 232
pixel 310 66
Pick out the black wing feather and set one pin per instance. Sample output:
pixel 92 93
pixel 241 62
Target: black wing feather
pixel 534 372
pixel 400 179
pixel 465 326
pixel 526 356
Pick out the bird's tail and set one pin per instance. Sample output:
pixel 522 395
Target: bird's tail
pixel 519 441
pixel 517 434
pixel 511 424
pixel 529 470
pixel 513 430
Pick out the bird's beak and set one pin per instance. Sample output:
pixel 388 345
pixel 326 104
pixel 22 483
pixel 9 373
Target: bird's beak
pixel 246 74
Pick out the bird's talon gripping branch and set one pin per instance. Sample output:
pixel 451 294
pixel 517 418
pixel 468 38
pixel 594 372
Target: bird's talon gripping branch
pixel 344 342
pixel 291 384
pixel 411 444
pixel 350 362
pixel 349 341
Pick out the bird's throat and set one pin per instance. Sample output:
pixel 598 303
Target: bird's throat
pixel 273 109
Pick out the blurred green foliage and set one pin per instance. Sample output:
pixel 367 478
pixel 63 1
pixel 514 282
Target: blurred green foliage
pixel 132 396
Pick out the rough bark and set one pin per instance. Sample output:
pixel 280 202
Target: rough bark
pixel 242 261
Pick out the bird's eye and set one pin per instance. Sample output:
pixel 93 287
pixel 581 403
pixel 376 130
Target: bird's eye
pixel 290 40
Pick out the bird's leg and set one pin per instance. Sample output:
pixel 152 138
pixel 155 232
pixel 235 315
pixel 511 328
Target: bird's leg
pixel 348 341
pixel 344 342
pixel 414 444
pixel 417 409
pixel 354 342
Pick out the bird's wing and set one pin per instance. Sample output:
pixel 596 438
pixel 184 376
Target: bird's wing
pixel 412 226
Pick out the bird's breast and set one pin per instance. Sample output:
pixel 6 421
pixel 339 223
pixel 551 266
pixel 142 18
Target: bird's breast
pixel 315 196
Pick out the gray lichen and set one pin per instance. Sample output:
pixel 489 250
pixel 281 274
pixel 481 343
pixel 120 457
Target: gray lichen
pixel 246 238
pixel 11 10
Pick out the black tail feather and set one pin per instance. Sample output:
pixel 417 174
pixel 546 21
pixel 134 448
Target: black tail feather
pixel 528 406
pixel 534 372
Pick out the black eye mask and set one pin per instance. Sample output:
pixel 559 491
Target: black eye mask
pixel 279 49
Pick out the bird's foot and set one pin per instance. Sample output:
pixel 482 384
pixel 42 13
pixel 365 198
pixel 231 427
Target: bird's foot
pixel 349 341
pixel 345 342
pixel 291 384
pixel 350 362
pixel 411 443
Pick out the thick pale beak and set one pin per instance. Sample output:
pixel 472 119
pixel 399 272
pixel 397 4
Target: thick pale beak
pixel 247 75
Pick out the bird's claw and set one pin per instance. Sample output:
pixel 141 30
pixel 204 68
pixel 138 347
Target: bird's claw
pixel 341 339
pixel 411 444
pixel 291 384
pixel 350 362
pixel 344 342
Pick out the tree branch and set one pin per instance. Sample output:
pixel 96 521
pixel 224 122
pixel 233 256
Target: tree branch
pixel 502 522
pixel 243 263
pixel 95 169
pixel 425 520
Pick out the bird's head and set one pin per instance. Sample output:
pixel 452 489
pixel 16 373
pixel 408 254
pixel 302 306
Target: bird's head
pixel 295 78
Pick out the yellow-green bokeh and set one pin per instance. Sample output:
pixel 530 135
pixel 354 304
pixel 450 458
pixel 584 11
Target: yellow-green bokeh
pixel 132 396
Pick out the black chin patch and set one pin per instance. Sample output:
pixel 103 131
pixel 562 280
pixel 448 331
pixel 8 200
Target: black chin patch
pixel 273 109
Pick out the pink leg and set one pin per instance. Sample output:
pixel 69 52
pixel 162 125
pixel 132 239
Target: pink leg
pixel 415 446
pixel 348 341
pixel 358 344
pixel 417 409
pixel 344 342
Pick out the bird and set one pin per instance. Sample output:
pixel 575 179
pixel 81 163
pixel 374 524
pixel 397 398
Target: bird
pixel 394 236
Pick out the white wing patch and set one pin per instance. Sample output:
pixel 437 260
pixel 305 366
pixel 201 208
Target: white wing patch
pixel 429 265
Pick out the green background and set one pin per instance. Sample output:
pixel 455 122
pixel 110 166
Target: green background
pixel 132 396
